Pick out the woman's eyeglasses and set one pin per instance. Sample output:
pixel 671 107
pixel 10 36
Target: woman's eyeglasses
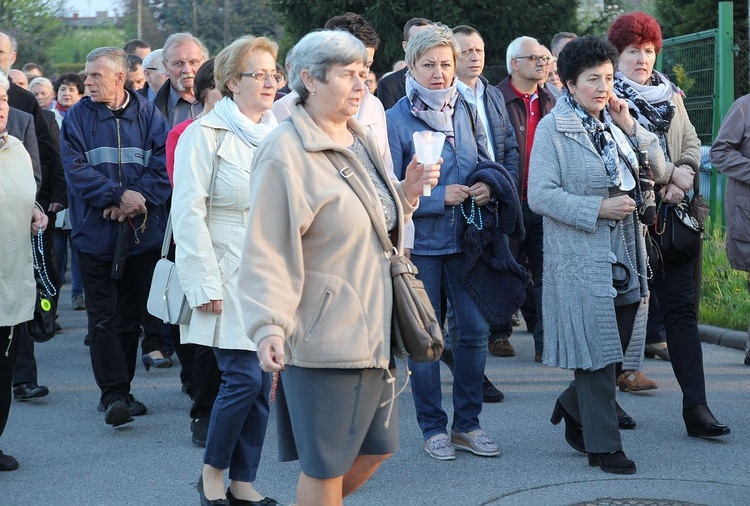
pixel 262 77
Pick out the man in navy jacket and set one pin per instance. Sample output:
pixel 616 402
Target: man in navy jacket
pixel 113 154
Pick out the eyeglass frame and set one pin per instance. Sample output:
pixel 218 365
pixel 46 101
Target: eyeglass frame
pixel 546 60
pixel 182 64
pixel 276 77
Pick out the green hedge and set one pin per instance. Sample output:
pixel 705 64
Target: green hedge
pixel 724 294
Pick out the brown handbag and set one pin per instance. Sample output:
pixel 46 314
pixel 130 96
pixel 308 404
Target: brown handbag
pixel 415 329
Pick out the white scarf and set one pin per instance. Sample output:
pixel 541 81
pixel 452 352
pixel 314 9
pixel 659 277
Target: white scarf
pixel 241 126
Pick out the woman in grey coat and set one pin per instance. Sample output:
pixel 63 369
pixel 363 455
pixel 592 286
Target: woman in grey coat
pixel 583 179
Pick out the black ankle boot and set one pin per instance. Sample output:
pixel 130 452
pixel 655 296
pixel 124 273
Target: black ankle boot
pixel 700 422
pixel 573 429
pixel 615 462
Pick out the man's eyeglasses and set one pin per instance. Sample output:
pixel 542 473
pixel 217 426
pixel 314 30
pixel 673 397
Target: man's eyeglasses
pixel 262 77
pixel 535 57
pixel 178 64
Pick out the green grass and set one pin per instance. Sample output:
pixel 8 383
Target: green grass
pixel 724 298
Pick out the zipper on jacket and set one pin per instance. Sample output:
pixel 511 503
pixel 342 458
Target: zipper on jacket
pixel 327 297
pixel 119 150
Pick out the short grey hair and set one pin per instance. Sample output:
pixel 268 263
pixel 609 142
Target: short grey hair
pixel 180 38
pixel 4 83
pixel 433 36
pixel 41 81
pixel 318 51
pixel 513 48
pixel 116 58
pixel 154 60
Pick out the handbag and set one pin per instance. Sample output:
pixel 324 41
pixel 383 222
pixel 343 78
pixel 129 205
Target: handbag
pixel 166 298
pixel 42 326
pixel 678 233
pixel 415 329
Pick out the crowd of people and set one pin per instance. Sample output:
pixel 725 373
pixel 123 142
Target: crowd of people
pixel 266 173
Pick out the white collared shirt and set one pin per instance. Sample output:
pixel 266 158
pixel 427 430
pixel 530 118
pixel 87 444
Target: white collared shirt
pixel 476 98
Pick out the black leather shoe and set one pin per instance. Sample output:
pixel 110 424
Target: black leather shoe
pixel 118 412
pixel 199 428
pixel 26 391
pixel 205 501
pixel 624 420
pixel 700 422
pixel 615 462
pixel 490 393
pixel 136 407
pixel 747 360
pixel 157 363
pixel 7 463
pixel 573 429
pixel 233 501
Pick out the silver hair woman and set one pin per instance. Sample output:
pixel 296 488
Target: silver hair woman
pixel 314 282
pixel 18 294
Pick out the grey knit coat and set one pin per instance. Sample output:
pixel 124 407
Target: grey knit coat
pixel 567 183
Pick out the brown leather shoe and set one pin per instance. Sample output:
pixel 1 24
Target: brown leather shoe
pixel 635 381
pixel 501 348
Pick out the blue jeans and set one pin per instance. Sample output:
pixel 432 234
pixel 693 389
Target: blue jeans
pixel 240 414
pixel 469 331
pixel 62 239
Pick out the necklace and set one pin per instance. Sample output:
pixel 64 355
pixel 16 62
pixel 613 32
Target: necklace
pixel 473 213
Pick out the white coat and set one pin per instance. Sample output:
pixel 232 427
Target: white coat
pixel 209 242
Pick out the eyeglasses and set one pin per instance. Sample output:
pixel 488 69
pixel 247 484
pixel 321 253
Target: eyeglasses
pixel 262 77
pixel 535 57
pixel 178 64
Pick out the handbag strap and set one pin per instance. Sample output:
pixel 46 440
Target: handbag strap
pixel 348 174
pixel 167 242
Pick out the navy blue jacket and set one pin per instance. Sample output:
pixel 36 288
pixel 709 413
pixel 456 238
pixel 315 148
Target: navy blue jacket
pixel 439 229
pixel 103 156
pixel 502 134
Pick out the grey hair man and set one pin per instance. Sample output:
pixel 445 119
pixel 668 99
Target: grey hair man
pixel 19 78
pixel 527 102
pixel 113 144
pixel 182 55
pixel 392 87
pixel 559 40
pixel 155 74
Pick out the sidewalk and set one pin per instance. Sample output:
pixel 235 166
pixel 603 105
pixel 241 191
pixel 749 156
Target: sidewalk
pixel 69 456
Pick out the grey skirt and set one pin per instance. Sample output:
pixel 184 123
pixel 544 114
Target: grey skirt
pixel 328 417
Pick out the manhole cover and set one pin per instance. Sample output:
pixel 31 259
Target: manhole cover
pixel 635 502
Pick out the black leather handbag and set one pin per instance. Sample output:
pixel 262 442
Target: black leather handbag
pixel 677 232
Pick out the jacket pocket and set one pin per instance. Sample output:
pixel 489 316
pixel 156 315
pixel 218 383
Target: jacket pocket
pixel 325 302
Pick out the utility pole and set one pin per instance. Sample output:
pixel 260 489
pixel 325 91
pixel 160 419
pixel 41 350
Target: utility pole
pixel 227 15
pixel 195 18
pixel 140 19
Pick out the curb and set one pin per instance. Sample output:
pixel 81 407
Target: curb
pixel 723 337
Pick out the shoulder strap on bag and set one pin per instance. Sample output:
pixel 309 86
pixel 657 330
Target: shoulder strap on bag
pixel 167 242
pixel 356 185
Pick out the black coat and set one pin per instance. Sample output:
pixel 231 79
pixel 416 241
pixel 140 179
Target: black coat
pixel 392 88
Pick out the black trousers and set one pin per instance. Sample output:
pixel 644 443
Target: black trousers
pixel 8 346
pixel 205 381
pixel 115 310
pixel 674 291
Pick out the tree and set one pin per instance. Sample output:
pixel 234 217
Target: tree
pixel 217 22
pixel 35 26
pixel 499 21
pixel 681 17
pixel 599 24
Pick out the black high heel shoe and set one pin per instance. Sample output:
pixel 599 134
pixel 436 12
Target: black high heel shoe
pixel 266 501
pixel 624 420
pixel 614 462
pixel 206 502
pixel 158 363
pixel 700 422
pixel 573 429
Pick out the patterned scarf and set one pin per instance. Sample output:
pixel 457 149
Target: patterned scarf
pixel 434 107
pixel 650 104
pixel 610 143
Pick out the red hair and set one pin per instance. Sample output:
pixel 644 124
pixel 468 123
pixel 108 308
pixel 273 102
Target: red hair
pixel 635 28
